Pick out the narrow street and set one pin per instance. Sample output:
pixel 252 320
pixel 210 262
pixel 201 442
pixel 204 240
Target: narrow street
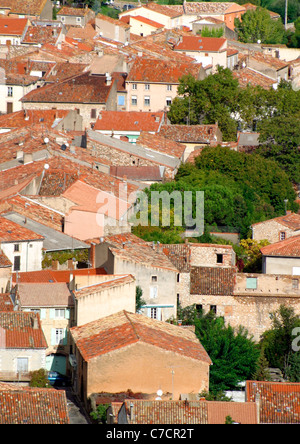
pixel 77 413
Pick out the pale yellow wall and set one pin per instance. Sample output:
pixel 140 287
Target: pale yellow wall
pixel 145 368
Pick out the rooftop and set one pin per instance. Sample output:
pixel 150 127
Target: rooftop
pixel 198 43
pixel 11 231
pixel 45 294
pixel 12 26
pixel 191 133
pixel 24 405
pixel 290 220
pixel 129 121
pixel 124 328
pixel 26 7
pixel 286 248
pixel 53 240
pixel 166 71
pixel 22 330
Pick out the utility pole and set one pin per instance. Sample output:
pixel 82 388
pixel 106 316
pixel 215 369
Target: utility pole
pixel 286 14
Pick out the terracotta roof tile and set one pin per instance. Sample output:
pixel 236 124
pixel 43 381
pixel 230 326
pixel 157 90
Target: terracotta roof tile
pixel 147 21
pixel 279 402
pixel 20 331
pixel 84 88
pixel 24 7
pixel 12 26
pixel 23 405
pixel 129 121
pixel 4 261
pixel 201 44
pixel 46 294
pixel 115 281
pixel 161 144
pixel 124 328
pixel 6 302
pixel 12 232
pixel 46 276
pixel 191 133
pixel 246 76
pixel 166 71
pixel 213 281
pixel 288 248
pixel 214 8
pixel 291 220
pixel 66 10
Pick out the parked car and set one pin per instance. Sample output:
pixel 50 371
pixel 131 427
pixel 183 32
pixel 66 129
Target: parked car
pixel 127 7
pixel 57 379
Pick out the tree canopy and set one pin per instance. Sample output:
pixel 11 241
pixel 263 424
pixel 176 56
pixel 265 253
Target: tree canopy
pixel 233 352
pixel 257 25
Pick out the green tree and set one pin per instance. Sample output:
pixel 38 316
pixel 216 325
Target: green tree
pixel 139 301
pixel 234 354
pixel 207 101
pixel 262 372
pixel 277 342
pixel 257 25
pixel 99 414
pixel 38 378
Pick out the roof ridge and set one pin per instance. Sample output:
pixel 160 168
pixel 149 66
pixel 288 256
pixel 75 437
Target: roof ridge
pixel 132 325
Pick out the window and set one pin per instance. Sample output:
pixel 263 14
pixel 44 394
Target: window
pixel 78 19
pixel 251 283
pixel 219 258
pixel 154 278
pixel 17 263
pixel 169 87
pixel 199 308
pixel 93 113
pixel 213 308
pixel 147 86
pixel 153 313
pixel 153 292
pixel 10 91
pixel 147 100
pixel 22 365
pixel 59 336
pixel 134 100
pixel 121 101
pixel 168 101
pixel 178 277
pixel 282 235
pixel 59 313
pixel 134 86
pixel 62 18
pixel 16 247
pixel 295 284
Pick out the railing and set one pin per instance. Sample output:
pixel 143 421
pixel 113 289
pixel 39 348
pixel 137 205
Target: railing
pixel 14 376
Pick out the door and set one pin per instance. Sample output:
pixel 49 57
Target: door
pixel 9 107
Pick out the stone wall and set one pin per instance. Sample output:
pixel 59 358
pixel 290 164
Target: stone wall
pixel 270 230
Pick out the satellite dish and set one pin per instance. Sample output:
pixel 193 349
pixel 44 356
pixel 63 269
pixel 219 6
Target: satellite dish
pixel 46 166
pixel 46 140
pixel 159 392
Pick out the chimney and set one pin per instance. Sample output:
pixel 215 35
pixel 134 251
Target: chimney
pixel 107 79
pixel 28 158
pixel 35 323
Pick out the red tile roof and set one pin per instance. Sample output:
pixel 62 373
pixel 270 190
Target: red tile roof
pixel 147 21
pixel 121 329
pixel 279 401
pixel 213 281
pixel 147 173
pixel 202 44
pixel 287 248
pixel 66 10
pixel 191 133
pixel 163 9
pixel 23 118
pixel 40 35
pixel 129 121
pixel 47 276
pixel 4 261
pixel 20 331
pixel 24 405
pixel 84 88
pixel 24 7
pixel 6 302
pixel 12 232
pixel 162 144
pixel 45 294
pixel 166 71
pixel 115 281
pixel 290 220
pixel 246 76
pixel 215 8
pixel 12 26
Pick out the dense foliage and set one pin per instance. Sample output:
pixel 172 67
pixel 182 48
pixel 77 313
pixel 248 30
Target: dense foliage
pixel 239 189
pixel 233 353
pixel 280 343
